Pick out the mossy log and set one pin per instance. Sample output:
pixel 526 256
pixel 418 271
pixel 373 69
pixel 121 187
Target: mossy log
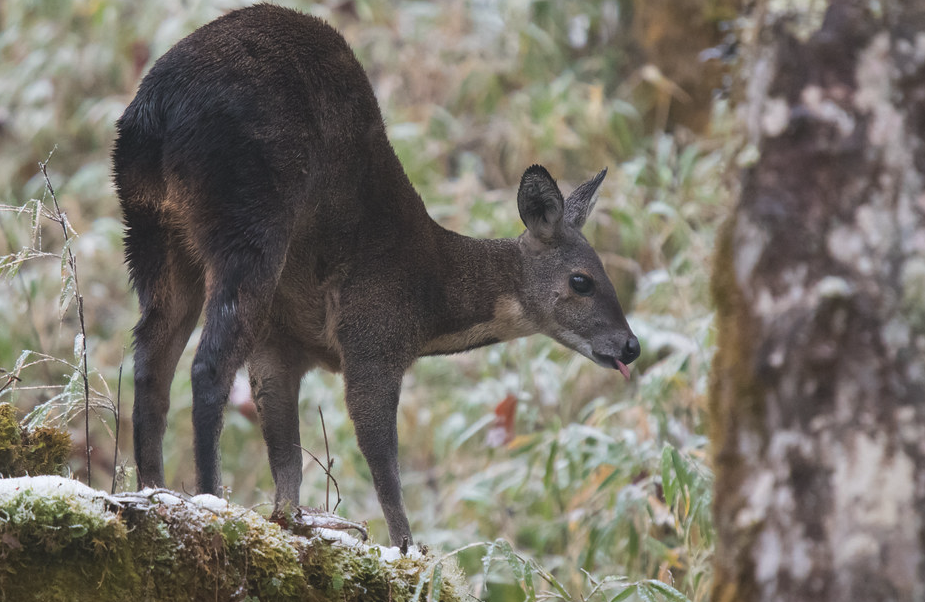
pixel 62 540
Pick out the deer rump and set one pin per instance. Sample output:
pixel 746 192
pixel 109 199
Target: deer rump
pixel 256 181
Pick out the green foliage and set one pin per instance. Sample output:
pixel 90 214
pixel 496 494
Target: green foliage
pixel 605 488
pixel 529 575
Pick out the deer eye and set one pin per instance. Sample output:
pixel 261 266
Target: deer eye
pixel 581 284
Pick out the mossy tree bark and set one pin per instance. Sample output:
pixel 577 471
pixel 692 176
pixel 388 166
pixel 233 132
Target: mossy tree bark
pixel 817 397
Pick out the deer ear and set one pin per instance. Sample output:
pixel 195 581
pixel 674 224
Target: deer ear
pixel 579 204
pixel 540 203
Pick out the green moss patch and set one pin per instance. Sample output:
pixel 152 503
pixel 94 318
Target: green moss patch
pixel 31 452
pixel 61 540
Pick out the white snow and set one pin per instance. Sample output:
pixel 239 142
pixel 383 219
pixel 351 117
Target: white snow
pixel 338 537
pixel 79 497
pixel 386 553
pixel 210 502
pixel 160 496
pixel 48 486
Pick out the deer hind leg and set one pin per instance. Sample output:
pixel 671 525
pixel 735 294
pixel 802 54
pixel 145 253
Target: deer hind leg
pixel 170 294
pixel 160 337
pixel 240 290
pixel 275 376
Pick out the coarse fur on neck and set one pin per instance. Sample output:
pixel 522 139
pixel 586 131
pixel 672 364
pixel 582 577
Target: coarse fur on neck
pixel 482 295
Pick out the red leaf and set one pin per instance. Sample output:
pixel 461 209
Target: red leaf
pixel 503 430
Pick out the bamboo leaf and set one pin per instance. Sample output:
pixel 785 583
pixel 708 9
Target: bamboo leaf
pixel 35 215
pixel 17 367
pixel 666 590
pixel 422 581
pixel 645 593
pixel 625 594
pixel 486 561
pixel 668 483
pixel 549 480
pixel 436 582
pixel 548 577
pixel 516 564
pixel 529 588
pixel 67 295
pixel 79 349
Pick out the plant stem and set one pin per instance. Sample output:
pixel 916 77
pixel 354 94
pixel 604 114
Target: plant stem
pixel 61 218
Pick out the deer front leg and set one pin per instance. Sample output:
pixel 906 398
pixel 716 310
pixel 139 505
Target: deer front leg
pixel 372 401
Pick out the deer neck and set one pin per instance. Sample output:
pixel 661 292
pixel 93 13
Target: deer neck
pixel 481 294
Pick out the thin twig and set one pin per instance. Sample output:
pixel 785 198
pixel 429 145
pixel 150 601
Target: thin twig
pixel 118 410
pixel 39 387
pixel 326 469
pixel 327 453
pixel 330 477
pixel 61 218
pixel 44 357
pixel 10 379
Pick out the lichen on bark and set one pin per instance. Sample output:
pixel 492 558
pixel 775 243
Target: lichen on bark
pixel 817 398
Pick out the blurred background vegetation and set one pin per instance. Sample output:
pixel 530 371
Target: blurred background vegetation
pixel 605 483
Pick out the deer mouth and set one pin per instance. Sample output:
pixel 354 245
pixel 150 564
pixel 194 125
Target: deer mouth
pixel 612 362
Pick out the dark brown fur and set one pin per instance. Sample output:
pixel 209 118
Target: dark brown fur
pixel 256 181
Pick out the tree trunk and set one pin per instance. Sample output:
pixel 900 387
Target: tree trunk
pixel 817 397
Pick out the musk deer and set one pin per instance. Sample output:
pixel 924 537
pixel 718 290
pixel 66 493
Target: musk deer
pixel 256 180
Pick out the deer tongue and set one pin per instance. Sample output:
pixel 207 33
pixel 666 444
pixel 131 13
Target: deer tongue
pixel 624 370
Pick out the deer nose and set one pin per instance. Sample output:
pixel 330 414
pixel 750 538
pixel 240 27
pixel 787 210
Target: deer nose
pixel 630 350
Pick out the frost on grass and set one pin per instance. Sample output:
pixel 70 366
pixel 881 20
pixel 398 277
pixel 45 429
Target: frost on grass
pixel 160 545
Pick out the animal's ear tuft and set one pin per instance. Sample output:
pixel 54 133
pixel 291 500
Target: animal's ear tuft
pixel 540 204
pixel 580 203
